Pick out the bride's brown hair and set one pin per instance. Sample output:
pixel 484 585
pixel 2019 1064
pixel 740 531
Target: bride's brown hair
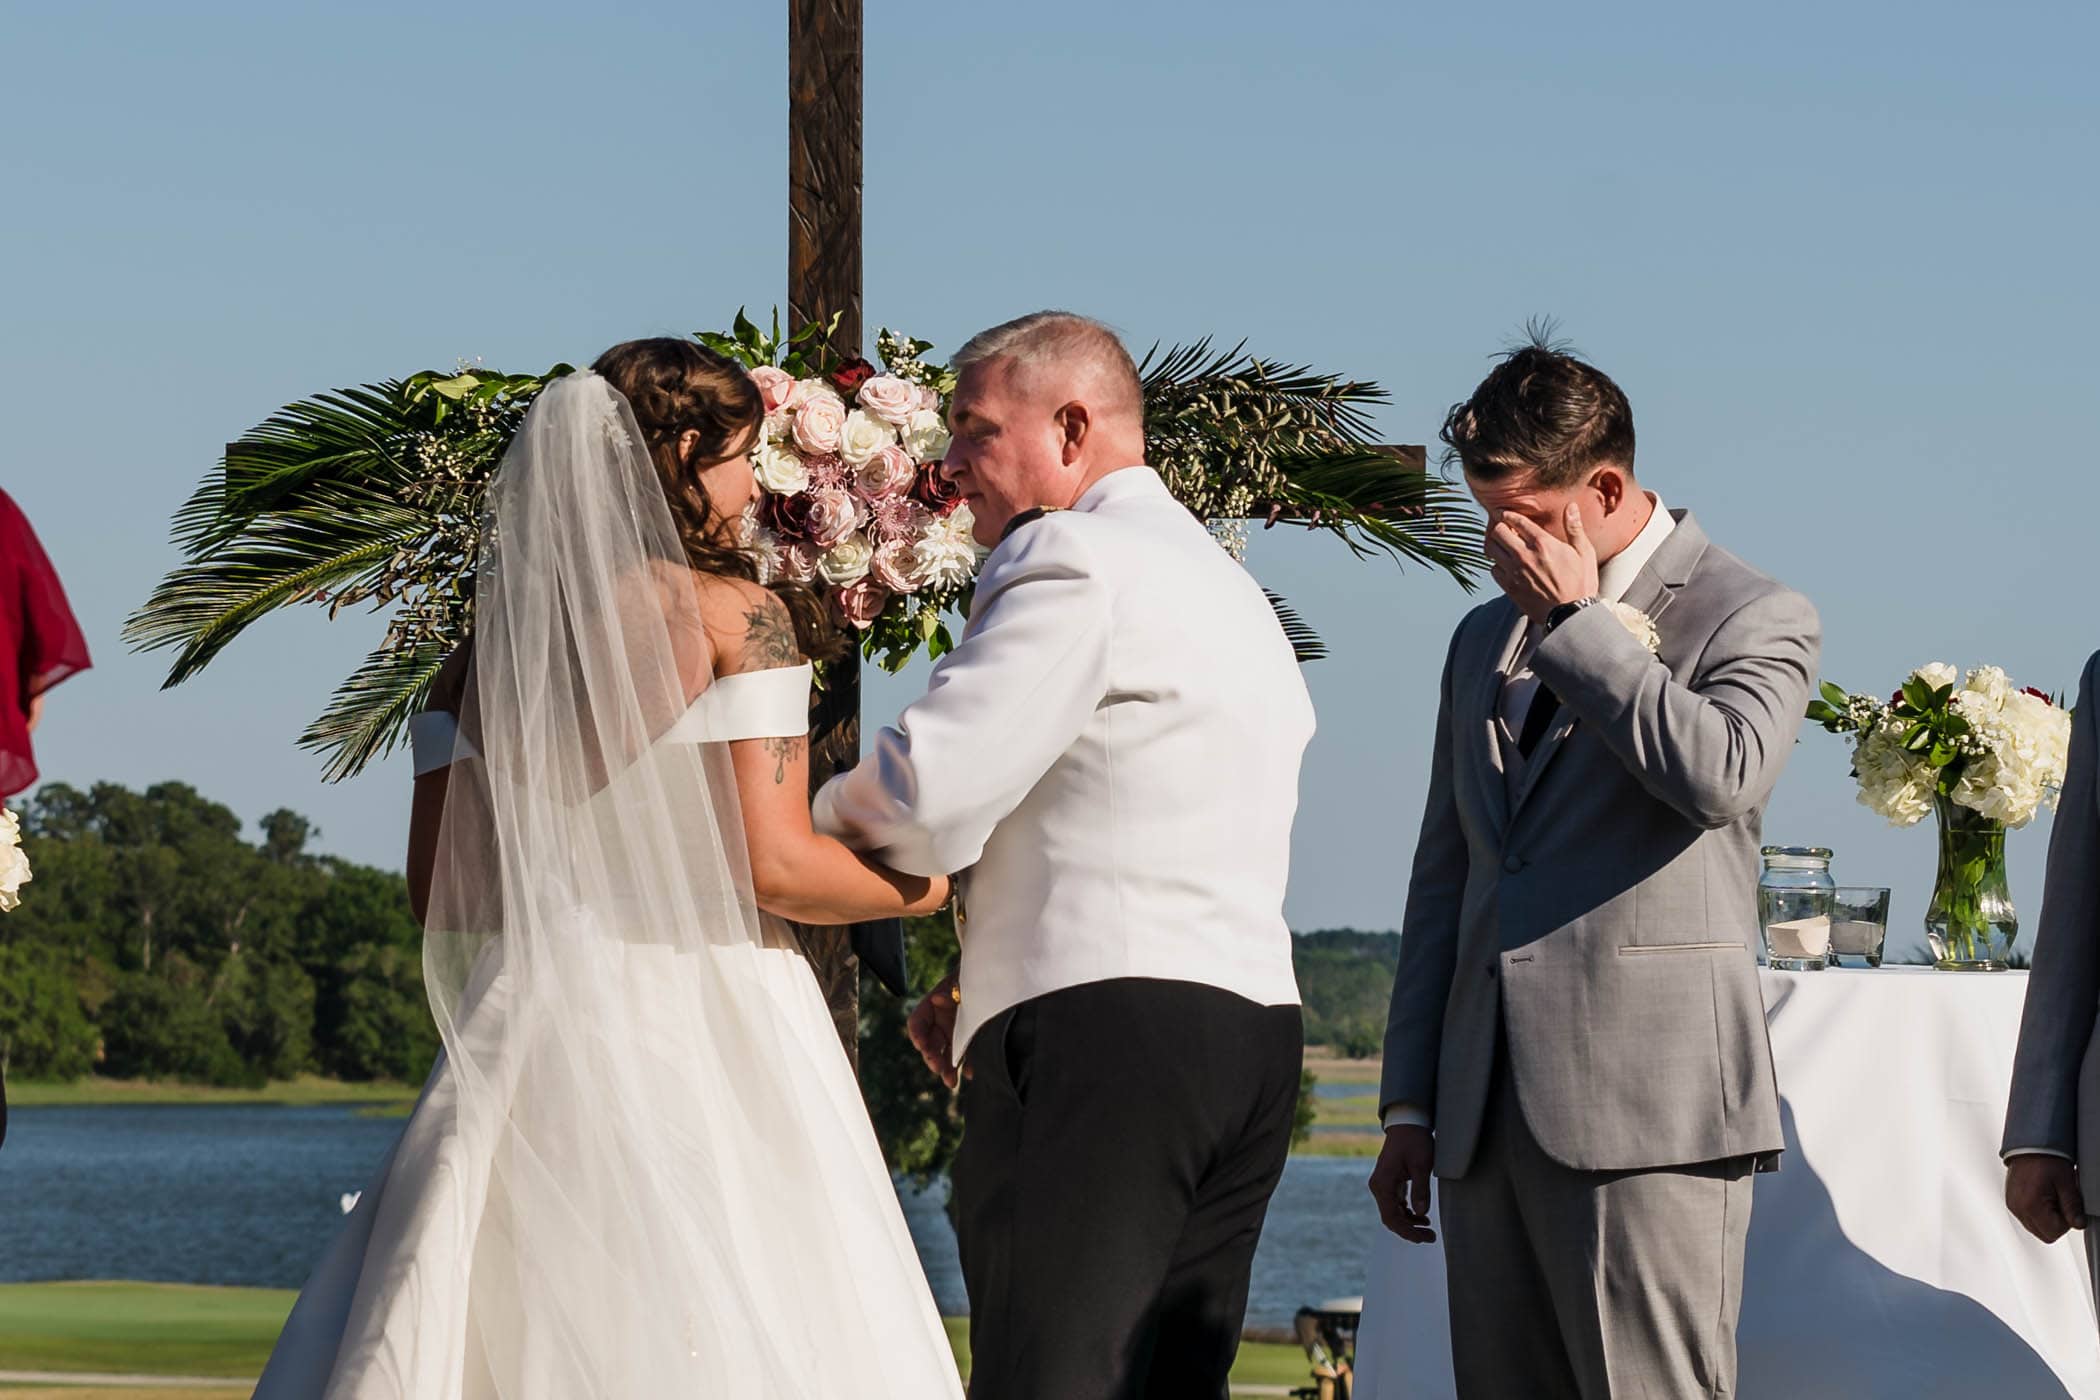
pixel 678 386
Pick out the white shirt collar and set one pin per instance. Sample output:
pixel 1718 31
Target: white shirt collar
pixel 1618 572
pixel 1122 484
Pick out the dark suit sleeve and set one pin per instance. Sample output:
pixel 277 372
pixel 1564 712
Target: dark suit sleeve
pixel 2064 988
pixel 1428 930
pixel 1712 749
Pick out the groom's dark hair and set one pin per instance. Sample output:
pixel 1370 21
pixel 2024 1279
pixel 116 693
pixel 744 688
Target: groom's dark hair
pixel 1542 412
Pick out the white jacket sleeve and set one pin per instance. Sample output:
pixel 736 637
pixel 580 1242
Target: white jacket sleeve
pixel 1000 709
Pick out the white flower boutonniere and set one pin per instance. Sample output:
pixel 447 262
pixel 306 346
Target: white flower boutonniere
pixel 14 865
pixel 1640 624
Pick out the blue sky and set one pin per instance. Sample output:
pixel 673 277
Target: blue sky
pixel 1840 257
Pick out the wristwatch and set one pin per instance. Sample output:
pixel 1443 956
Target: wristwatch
pixel 1567 610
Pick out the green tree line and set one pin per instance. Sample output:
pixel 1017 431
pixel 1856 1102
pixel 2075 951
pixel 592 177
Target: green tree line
pixel 155 942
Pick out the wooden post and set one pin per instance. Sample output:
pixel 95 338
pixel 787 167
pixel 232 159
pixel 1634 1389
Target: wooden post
pixel 824 187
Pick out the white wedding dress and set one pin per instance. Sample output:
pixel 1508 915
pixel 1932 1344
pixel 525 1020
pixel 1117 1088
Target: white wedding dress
pixel 641 1168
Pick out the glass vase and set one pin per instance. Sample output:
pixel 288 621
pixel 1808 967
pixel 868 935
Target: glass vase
pixel 1971 923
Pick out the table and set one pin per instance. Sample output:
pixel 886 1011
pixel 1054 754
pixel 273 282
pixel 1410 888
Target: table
pixel 1881 1259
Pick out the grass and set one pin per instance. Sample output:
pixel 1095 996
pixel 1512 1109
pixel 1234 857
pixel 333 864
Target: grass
pixel 139 1328
pixel 307 1089
pixel 1345 1126
pixel 183 1330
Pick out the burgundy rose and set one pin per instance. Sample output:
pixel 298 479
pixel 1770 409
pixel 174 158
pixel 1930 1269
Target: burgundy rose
pixel 935 491
pixel 848 377
pixel 789 516
pixel 2030 690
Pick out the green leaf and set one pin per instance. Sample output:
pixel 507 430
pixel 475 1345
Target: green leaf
pixel 369 713
pixel 1837 698
pixel 1305 643
pixel 745 332
pixel 1822 713
pixel 1918 694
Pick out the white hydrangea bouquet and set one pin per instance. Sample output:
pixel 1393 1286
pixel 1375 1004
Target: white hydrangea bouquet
pixel 1983 755
pixel 852 498
pixel 14 862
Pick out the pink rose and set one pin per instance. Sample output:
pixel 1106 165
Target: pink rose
pixel 798 562
pixel 774 386
pixel 861 603
pixel 819 422
pixel 889 398
pixel 887 473
pixel 833 515
pixel 926 397
pixel 896 566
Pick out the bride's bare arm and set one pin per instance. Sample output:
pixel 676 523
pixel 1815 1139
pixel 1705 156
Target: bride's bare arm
pixel 795 872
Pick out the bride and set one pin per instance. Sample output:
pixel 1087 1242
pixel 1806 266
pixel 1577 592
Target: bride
pixel 641 1168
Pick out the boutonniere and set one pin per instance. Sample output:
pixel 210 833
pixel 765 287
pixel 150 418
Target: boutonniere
pixel 1640 624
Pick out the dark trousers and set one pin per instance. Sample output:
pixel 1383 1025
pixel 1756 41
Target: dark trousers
pixel 1120 1143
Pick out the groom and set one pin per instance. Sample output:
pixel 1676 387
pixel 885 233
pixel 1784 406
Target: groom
pixel 1577 1042
pixel 1111 754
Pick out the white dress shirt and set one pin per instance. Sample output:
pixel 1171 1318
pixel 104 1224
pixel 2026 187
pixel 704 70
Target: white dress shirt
pixel 1111 754
pixel 1520 686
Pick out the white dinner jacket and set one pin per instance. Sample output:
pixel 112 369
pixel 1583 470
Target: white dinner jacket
pixel 1111 753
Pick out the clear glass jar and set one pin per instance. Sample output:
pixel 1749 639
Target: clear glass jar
pixel 1794 898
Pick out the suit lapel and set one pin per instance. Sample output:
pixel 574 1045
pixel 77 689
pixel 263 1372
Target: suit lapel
pixel 1652 591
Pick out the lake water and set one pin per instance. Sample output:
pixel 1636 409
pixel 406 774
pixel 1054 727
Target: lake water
pixel 251 1194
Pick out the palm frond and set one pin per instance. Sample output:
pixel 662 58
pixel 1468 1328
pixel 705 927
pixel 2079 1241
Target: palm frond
pixel 1376 503
pixel 369 712
pixel 1304 641
pixel 338 536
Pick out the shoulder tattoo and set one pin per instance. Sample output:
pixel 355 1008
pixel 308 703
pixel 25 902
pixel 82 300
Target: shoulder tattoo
pixel 769 637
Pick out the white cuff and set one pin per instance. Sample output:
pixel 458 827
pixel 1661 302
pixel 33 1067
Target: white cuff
pixel 1405 1115
pixel 2011 1152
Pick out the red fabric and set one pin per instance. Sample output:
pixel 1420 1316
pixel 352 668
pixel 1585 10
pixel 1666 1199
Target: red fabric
pixel 40 642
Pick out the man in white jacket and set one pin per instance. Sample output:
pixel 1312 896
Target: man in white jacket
pixel 1111 757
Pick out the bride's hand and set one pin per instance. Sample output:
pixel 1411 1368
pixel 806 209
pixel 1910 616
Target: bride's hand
pixel 932 1028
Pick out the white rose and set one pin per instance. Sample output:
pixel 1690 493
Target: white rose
pixel 818 425
pixel 846 562
pixel 889 398
pixel 778 427
pixel 1937 674
pixel 780 469
pixel 808 391
pixel 863 436
pixel 1988 682
pixel 1640 624
pixel 926 436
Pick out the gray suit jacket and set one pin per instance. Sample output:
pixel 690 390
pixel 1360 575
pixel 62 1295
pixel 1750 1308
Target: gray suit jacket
pixel 1608 915
pixel 2056 1074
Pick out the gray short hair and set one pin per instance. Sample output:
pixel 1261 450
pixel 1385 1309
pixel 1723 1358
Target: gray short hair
pixel 1051 337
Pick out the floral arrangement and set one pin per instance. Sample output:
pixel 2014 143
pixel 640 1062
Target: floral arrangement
pixel 1974 741
pixel 1639 624
pixel 852 498
pixel 14 862
pixel 371 496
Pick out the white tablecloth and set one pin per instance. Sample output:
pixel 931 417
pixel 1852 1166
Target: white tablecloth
pixel 1882 1261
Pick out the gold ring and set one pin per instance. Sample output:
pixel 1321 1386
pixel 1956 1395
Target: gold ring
pixel 955 995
